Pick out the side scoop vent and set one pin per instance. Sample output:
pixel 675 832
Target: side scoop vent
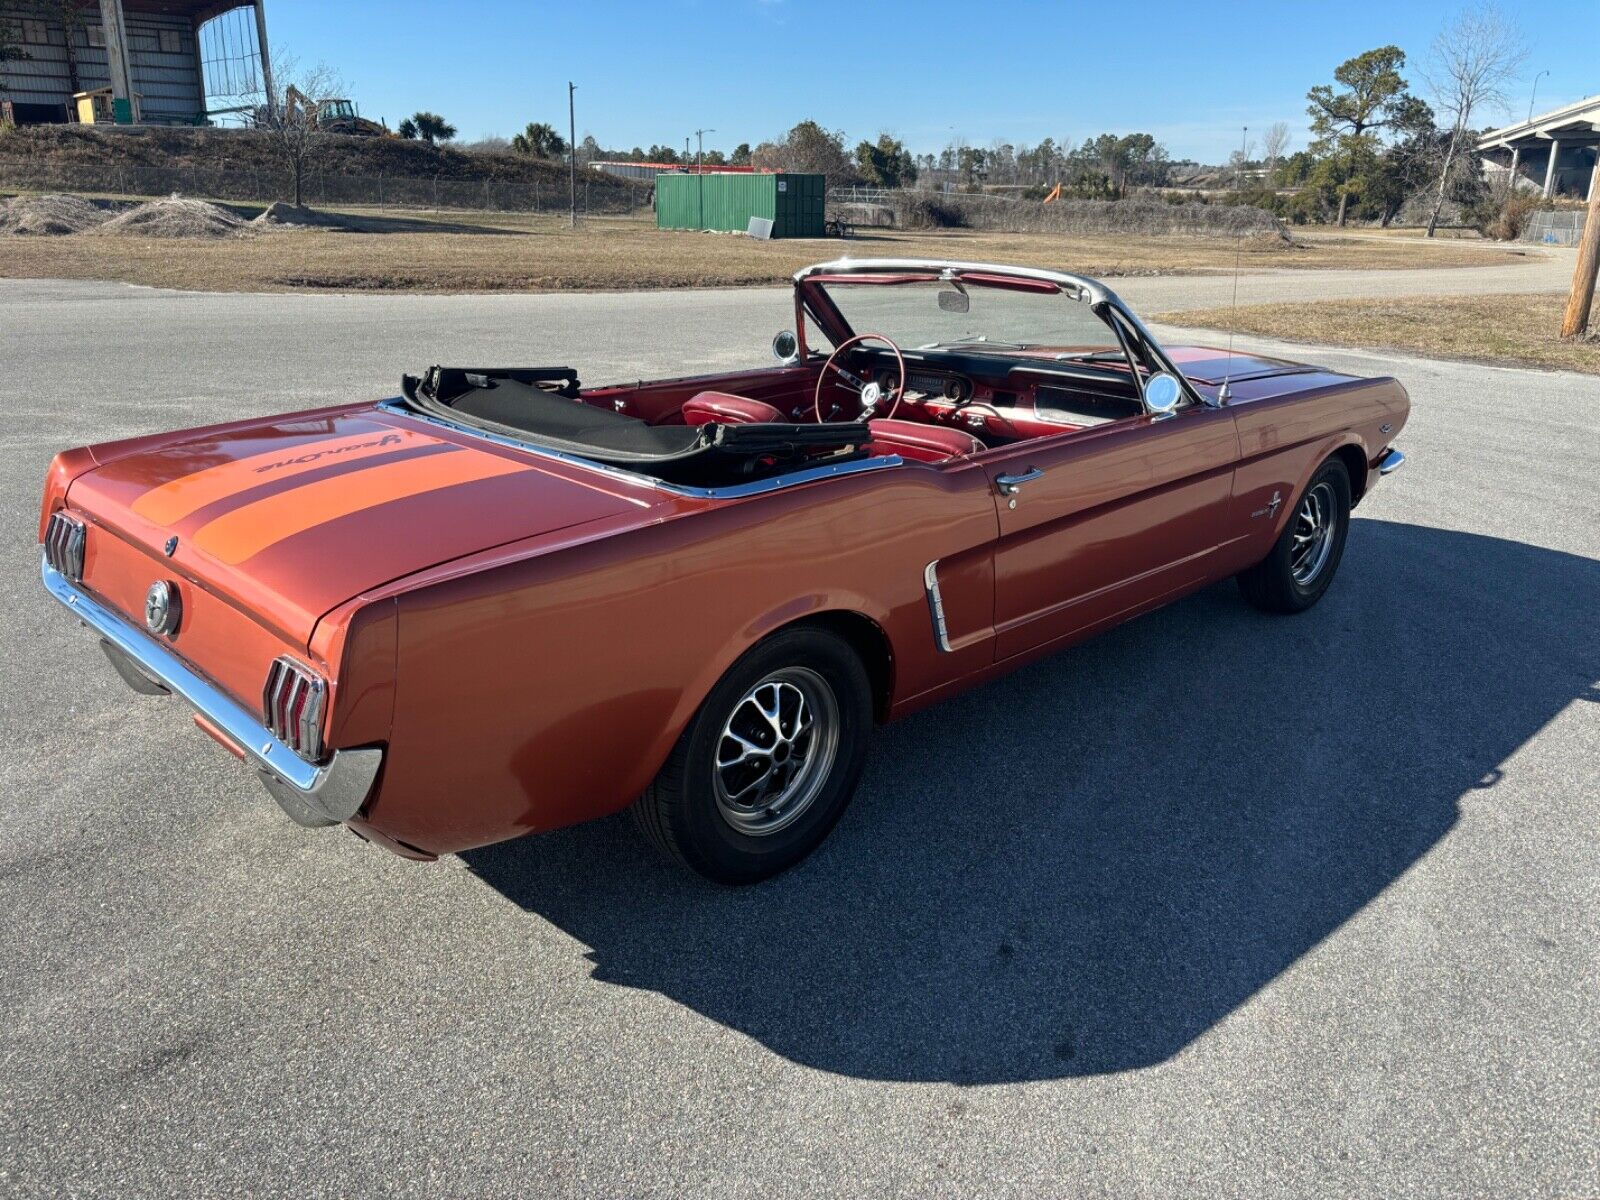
pixel 63 545
pixel 292 702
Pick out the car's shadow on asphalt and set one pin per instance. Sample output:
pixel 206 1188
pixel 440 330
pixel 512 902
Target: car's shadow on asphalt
pixel 1084 866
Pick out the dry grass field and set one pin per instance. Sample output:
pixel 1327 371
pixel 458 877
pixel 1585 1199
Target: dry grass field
pixel 1496 329
pixel 424 252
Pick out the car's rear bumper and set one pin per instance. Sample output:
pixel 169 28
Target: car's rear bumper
pixel 312 793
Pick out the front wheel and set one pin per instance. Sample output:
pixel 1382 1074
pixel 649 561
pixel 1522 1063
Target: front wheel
pixel 768 764
pixel 1304 558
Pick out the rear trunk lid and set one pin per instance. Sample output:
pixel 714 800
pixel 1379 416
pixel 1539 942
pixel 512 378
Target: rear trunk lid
pixel 288 517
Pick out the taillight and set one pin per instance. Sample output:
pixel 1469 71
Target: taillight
pixel 292 703
pixel 63 545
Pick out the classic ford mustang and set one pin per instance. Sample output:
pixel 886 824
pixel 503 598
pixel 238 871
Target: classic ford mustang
pixel 504 602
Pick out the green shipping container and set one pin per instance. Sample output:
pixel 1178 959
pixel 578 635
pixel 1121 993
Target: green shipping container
pixel 793 203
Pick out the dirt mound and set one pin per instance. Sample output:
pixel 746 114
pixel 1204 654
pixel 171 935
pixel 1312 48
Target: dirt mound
pixel 281 213
pixel 176 217
pixel 245 165
pixel 52 215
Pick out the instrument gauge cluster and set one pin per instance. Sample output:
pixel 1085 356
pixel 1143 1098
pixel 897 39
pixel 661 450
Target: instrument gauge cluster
pixel 948 387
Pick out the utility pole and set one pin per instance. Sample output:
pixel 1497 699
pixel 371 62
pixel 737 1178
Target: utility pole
pixel 572 150
pixel 699 170
pixel 1579 304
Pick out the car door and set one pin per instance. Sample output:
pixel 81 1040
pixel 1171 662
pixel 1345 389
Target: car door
pixel 1101 522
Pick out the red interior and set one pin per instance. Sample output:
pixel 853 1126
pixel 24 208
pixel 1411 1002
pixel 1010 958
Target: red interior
pixel 1018 400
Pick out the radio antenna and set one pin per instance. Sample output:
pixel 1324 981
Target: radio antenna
pixel 1238 253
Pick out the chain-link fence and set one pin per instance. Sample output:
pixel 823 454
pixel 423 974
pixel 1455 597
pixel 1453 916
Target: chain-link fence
pixel 1559 228
pixel 322 187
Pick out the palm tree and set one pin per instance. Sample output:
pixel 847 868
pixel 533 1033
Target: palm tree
pixel 430 127
pixel 539 140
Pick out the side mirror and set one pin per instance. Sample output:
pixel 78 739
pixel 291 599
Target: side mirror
pixel 1161 394
pixel 786 348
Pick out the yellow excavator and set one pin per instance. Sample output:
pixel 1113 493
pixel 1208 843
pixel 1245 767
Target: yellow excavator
pixel 332 115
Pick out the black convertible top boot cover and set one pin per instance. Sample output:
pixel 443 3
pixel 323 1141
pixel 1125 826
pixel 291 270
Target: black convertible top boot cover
pixel 524 404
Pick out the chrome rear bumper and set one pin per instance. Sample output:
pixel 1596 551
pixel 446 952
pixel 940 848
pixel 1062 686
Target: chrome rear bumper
pixel 311 793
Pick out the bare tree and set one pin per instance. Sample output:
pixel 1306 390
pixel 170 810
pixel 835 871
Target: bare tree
pixel 1473 59
pixel 291 118
pixel 1239 163
pixel 1274 144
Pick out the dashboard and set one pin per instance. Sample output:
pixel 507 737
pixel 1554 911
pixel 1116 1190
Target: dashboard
pixel 1004 398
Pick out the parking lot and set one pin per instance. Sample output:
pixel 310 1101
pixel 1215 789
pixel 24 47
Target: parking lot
pixel 1217 904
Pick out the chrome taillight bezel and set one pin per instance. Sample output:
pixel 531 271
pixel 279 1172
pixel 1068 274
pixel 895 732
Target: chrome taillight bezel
pixel 64 540
pixel 292 703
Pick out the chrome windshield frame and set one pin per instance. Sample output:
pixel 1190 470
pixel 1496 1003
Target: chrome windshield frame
pixel 1076 287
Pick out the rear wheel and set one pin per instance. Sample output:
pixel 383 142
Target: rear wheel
pixel 1303 560
pixel 768 764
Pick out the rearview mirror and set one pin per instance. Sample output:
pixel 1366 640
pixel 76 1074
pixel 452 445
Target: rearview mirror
pixel 954 301
pixel 1162 393
pixel 786 348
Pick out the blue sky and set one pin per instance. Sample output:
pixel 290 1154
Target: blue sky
pixel 1190 73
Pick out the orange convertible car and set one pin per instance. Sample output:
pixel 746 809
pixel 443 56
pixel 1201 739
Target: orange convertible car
pixel 503 602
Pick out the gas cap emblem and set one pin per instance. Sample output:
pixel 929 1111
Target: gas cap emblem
pixel 163 608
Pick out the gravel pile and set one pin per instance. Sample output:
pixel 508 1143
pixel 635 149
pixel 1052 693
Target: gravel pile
pixel 50 216
pixel 176 217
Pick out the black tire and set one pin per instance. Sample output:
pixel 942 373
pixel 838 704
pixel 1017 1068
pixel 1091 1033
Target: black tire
pixel 690 812
pixel 1284 582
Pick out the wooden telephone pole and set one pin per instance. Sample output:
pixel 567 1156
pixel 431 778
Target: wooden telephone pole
pixel 1576 322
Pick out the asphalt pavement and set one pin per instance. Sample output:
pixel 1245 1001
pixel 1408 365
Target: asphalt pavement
pixel 1220 904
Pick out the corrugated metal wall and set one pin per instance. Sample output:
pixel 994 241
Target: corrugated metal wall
pixel 167 80
pixel 793 203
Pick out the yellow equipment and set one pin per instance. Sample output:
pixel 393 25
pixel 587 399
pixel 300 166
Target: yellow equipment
pixel 94 107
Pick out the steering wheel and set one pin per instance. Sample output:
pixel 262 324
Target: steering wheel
pixel 867 391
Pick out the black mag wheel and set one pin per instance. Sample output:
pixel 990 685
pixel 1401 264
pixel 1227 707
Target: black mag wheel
pixel 768 764
pixel 1304 559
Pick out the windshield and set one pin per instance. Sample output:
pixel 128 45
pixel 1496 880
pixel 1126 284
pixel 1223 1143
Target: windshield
pixel 930 315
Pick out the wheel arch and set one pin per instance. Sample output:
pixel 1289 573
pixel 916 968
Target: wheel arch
pixel 1354 459
pixel 871 644
pixel 863 632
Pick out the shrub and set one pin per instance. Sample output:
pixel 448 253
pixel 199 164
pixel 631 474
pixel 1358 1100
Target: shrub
pixel 927 210
pixel 931 210
pixel 1504 222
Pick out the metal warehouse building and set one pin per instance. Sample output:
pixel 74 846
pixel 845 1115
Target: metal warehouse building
pixel 156 61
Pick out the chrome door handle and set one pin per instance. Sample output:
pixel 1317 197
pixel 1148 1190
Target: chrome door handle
pixel 1009 485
